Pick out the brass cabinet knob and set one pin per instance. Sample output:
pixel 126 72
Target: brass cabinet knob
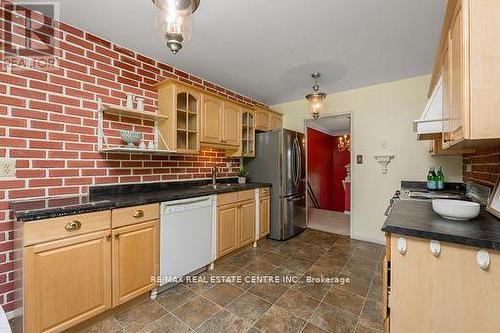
pixel 138 214
pixel 73 225
pixel 446 140
pixel 108 237
pixel 117 235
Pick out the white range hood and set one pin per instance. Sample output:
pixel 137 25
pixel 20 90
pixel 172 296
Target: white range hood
pixel 431 123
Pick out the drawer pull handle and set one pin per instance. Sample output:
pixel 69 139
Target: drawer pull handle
pixel 74 225
pixel 138 214
pixel 483 259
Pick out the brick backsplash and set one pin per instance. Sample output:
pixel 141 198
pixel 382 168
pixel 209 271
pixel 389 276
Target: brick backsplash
pixel 485 164
pixel 48 124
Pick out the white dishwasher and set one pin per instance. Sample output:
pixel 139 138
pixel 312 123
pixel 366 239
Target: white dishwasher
pixel 185 237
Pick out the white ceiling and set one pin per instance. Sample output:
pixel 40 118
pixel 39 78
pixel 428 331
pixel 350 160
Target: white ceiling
pixel 267 49
pixel 334 125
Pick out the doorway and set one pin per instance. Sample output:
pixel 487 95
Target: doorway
pixel 328 173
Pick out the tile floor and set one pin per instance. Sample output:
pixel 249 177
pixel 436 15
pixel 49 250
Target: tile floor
pixel 283 306
pixel 329 221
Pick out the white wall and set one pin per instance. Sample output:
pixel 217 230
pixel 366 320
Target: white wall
pixel 380 113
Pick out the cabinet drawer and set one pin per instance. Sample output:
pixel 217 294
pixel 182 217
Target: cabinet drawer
pixel 227 198
pixel 65 226
pixel 136 214
pixel 246 195
pixel 266 191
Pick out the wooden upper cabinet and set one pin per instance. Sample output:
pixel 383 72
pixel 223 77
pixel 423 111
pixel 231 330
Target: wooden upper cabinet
pixel 457 102
pixel 231 124
pixel 276 121
pixel 181 130
pixel 471 40
pixel 211 120
pixel 66 281
pixel 262 119
pixel 135 260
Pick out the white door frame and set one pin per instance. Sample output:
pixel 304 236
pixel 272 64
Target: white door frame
pixel 304 126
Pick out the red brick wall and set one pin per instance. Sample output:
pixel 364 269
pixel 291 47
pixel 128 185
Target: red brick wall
pixel 48 122
pixel 485 166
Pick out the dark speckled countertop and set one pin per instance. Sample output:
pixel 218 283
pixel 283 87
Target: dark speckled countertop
pixel 416 218
pixel 118 196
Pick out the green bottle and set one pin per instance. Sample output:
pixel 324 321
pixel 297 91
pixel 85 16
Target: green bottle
pixel 431 179
pixel 440 179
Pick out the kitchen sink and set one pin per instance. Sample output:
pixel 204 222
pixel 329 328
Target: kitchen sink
pixel 219 185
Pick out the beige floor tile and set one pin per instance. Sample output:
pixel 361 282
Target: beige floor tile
pixel 196 311
pixel 279 320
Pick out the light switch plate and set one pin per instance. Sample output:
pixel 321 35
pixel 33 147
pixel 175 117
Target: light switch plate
pixel 359 159
pixel 7 167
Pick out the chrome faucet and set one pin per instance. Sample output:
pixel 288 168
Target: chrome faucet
pixel 215 170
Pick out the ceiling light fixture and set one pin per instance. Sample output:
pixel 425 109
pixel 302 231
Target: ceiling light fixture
pixel 173 21
pixel 316 99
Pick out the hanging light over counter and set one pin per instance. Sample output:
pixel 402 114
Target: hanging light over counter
pixel 173 21
pixel 316 99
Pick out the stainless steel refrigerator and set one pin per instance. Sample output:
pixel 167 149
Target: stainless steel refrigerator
pixel 280 160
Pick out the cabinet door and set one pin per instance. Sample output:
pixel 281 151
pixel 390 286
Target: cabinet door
pixel 135 260
pixel 232 125
pixel 275 122
pixel 247 222
pixel 412 287
pixel 264 216
pixel 187 120
pixel 457 108
pixel 227 229
pixel 262 120
pixel 211 120
pixel 467 298
pixel 66 281
pixel 446 98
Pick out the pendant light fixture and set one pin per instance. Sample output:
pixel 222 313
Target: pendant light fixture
pixel 173 21
pixel 316 99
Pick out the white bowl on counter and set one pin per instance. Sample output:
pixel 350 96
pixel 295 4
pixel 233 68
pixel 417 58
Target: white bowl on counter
pixel 456 209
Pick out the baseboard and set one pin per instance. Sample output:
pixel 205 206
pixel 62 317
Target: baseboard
pixel 375 240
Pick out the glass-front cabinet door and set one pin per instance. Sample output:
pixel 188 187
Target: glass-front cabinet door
pixel 187 115
pixel 248 134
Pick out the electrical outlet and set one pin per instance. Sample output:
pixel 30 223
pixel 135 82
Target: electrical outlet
pixel 7 167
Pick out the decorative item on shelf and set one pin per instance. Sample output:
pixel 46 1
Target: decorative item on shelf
pixel 130 137
pixel 344 143
pixel 494 202
pixel 242 175
pixel 142 145
pixel 173 21
pixel 151 145
pixel 130 101
pixel 383 159
pixel 316 99
pixel 140 103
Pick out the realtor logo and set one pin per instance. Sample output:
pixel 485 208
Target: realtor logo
pixel 28 35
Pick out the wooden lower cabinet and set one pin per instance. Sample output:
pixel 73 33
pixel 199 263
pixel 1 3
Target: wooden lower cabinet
pixel 66 281
pixel 264 216
pixel 235 224
pixel 447 293
pixel 135 260
pixel 247 222
pixel 227 229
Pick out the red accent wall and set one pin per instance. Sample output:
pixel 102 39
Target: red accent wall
pixel 340 160
pixel 320 166
pixel 326 169
pixel 48 123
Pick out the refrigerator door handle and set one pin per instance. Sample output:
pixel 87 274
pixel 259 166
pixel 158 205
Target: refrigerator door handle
pixel 299 198
pixel 297 162
pixel 294 162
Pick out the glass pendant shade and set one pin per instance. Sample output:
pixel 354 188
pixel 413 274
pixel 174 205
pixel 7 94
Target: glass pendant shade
pixel 316 99
pixel 316 104
pixel 173 21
